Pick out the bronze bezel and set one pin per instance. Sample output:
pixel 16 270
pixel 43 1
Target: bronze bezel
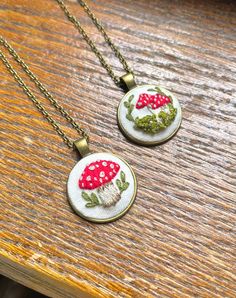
pixel 95 220
pixel 131 138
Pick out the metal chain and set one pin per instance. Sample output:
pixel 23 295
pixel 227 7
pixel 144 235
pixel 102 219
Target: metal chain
pixel 43 90
pixel 92 45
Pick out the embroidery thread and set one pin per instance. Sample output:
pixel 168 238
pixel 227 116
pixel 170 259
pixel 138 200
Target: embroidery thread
pixel 99 176
pixel 157 121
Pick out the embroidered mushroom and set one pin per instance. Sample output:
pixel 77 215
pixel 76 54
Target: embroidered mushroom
pixel 99 175
pixel 162 111
pixel 154 101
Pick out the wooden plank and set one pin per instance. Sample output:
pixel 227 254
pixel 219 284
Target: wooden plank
pixel 11 289
pixel 178 238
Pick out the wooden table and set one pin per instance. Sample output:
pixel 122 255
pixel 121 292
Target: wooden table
pixel 178 240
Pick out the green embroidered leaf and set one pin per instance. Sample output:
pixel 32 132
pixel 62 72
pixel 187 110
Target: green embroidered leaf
pixel 129 117
pixel 127 104
pixel 85 196
pixel 125 186
pixel 122 184
pixel 122 176
pixel 131 109
pixel 94 199
pixel 118 183
pixel 158 89
pixel 131 98
pixel 90 205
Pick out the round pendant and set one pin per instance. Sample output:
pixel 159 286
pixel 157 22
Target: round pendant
pixel 101 187
pixel 149 115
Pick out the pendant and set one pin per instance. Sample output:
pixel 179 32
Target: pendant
pixel 148 114
pixel 101 187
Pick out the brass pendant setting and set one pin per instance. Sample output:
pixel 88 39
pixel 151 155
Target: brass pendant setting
pixel 148 114
pixel 101 187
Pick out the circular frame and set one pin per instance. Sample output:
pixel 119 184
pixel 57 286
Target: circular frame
pixel 136 140
pixel 120 214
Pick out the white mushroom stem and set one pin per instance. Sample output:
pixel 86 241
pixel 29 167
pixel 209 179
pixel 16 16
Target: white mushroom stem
pixel 153 113
pixel 164 108
pixel 109 194
pixel 150 109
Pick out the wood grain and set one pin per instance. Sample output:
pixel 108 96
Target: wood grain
pixel 178 239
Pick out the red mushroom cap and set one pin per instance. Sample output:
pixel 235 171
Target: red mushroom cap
pixel 143 100
pixel 155 101
pixel 98 173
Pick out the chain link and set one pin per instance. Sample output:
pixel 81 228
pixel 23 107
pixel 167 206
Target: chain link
pixel 43 90
pixel 92 45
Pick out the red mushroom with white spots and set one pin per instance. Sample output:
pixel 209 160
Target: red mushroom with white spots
pixel 154 112
pixel 154 101
pixel 99 175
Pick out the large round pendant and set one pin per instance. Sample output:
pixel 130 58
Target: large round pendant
pixel 101 187
pixel 149 115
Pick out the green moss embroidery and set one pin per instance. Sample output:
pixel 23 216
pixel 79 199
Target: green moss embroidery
pixel 152 123
pixel 156 122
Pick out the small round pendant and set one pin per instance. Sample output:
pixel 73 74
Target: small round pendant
pixel 101 187
pixel 149 115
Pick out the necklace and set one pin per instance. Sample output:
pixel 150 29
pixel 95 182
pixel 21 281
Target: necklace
pixel 102 186
pixel 147 114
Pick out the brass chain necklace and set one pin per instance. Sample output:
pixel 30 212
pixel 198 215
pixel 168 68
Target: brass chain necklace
pixel 101 187
pixel 43 90
pixel 92 45
pixel 147 114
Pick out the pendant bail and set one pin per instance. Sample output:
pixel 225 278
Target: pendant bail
pixel 82 146
pixel 128 81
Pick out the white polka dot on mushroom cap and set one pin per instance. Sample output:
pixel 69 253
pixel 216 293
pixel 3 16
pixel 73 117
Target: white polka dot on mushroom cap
pixel 88 178
pixel 102 174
